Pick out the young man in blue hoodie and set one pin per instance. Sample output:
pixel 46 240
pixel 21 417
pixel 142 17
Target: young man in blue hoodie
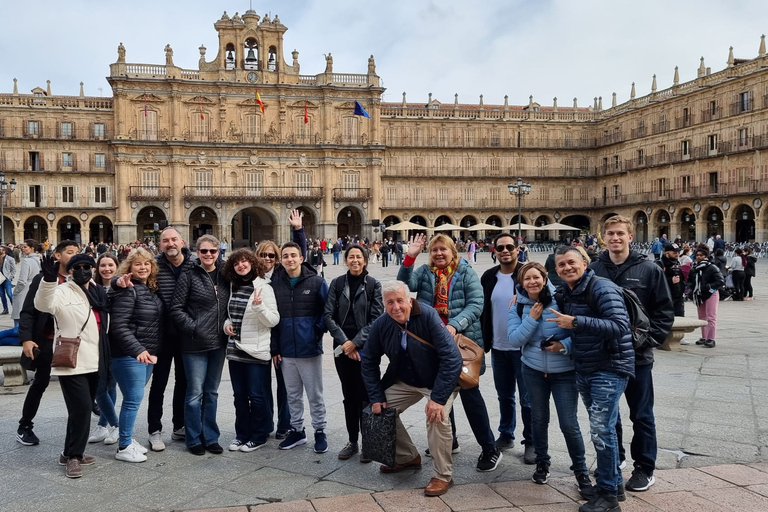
pixel 297 343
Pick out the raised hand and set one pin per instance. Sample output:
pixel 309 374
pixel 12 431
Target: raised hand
pixel 50 268
pixel 563 321
pixel 536 310
pixel 295 218
pixel 416 244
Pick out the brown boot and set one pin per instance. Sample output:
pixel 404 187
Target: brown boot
pixel 437 487
pixel 414 464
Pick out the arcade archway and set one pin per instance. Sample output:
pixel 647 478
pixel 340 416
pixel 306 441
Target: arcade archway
pixel 149 222
pixel 253 225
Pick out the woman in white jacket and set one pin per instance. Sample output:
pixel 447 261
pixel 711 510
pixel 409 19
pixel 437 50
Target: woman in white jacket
pixel 252 312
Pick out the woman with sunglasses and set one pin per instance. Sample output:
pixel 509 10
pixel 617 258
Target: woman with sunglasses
pixel 251 314
pixel 354 302
pixel 199 314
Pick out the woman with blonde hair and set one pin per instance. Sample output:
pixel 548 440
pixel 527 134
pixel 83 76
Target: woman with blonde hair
pixel 134 337
pixel 451 286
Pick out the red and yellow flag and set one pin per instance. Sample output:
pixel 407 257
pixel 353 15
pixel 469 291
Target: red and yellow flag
pixel 258 100
pixel 306 114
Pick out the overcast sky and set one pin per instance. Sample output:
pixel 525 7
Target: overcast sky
pixel 547 48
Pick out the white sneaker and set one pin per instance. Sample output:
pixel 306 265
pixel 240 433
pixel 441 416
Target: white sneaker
pixel 130 454
pixel 684 342
pixel 623 464
pixel 235 445
pixel 113 436
pixel 98 434
pixel 139 447
pixel 156 441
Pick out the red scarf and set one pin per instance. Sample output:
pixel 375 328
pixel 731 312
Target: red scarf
pixel 442 284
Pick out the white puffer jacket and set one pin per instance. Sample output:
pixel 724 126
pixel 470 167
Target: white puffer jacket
pixel 69 305
pixel 258 320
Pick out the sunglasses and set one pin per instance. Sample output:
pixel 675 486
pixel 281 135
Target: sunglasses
pixel 206 251
pixel 269 255
pixel 508 247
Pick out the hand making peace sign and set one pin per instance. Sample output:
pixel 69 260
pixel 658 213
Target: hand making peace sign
pixel 563 321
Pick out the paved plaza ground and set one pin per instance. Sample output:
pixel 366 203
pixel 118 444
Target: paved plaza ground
pixel 711 416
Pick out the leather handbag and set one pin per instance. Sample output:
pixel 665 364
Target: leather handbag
pixel 471 359
pixel 65 349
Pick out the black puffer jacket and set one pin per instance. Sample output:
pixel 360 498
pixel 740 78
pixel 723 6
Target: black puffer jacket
pixel 602 341
pixel 198 310
pixel 136 322
pixel 647 280
pixel 671 268
pixel 166 285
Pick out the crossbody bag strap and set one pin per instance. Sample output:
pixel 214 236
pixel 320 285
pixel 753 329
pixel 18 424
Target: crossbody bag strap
pixel 81 329
pixel 419 339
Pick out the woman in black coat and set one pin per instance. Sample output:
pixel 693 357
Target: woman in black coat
pixel 134 335
pixel 705 281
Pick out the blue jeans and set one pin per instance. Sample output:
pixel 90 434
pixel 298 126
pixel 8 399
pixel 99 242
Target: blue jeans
pixel 106 398
pixel 132 376
pixel 562 388
pixel 600 392
pixel 10 337
pixel 336 258
pixel 639 396
pixel 507 374
pixel 252 386
pixel 6 288
pixel 203 371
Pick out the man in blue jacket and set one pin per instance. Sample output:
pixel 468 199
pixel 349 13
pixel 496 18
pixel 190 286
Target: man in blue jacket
pixel 417 369
pixel 297 343
pixel 630 269
pixel 604 358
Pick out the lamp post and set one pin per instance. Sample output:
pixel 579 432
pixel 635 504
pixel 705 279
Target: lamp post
pixel 519 189
pixel 3 191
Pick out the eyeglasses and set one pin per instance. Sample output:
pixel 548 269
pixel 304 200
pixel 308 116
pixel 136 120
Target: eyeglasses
pixel 509 247
pixel 269 255
pixel 206 251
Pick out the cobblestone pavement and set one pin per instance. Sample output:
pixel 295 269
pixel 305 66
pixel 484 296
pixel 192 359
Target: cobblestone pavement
pixel 711 415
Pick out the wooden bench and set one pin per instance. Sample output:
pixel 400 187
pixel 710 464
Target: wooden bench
pixel 681 326
pixel 15 375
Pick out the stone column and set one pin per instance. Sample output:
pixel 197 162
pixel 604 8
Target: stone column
pixel 178 214
pixel 701 229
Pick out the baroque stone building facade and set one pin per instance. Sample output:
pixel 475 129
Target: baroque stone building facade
pixel 196 149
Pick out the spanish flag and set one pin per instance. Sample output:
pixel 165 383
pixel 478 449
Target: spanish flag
pixel 306 114
pixel 258 100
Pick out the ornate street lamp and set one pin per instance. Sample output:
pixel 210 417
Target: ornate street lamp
pixel 519 189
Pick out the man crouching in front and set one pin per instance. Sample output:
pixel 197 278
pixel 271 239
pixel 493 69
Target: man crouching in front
pixel 417 369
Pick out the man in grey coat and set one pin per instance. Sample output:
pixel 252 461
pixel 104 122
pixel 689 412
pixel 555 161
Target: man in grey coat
pixel 8 270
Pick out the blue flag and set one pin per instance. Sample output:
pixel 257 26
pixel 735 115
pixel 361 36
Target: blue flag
pixel 360 111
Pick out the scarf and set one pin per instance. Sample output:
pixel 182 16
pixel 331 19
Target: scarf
pixel 698 269
pixel 442 281
pixel 97 298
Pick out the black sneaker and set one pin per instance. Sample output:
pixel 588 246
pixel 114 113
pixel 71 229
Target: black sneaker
pixel 294 438
pixel 709 343
pixel 700 341
pixel 620 494
pixel 541 475
pixel 586 489
pixel 601 503
pixel 282 434
pixel 215 448
pixel 640 481
pixel 504 443
pixel 455 448
pixel 489 461
pixel 26 437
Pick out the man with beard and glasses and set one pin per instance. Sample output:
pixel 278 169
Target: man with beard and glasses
pixel 498 289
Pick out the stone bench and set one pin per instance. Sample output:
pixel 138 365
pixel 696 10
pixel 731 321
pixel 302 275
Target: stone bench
pixel 681 326
pixel 15 375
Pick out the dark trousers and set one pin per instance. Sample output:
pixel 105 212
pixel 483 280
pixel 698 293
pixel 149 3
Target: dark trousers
pixel 160 375
pixel 679 305
pixel 384 259
pixel 79 392
pixel 639 395
pixel 477 416
pixel 353 390
pixel 39 384
pixel 283 412
pixel 508 376
pixel 251 384
pixel 738 283
pixel 748 292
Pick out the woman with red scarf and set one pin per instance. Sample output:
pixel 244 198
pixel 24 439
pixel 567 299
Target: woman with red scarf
pixel 449 284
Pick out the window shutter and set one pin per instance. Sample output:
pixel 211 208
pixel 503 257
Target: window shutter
pixel 74 161
pixel 40 129
pixel 109 196
pixel 76 195
pixel 25 128
pixel 58 161
pixel 58 129
pixel 41 160
pixel 74 131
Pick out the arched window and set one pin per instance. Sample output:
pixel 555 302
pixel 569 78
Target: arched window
pixel 252 54
pixel 230 59
pixel 272 62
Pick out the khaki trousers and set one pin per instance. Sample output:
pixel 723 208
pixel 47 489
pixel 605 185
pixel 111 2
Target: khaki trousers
pixel 439 437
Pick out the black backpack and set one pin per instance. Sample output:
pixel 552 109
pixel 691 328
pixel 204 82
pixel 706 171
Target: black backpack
pixel 639 321
pixel 369 284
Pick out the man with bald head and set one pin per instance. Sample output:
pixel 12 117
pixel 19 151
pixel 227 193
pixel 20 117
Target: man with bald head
pixel 174 259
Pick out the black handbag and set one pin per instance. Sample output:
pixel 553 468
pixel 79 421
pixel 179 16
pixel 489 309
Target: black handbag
pixel 379 433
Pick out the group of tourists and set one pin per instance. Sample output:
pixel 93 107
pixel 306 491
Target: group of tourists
pixel 268 309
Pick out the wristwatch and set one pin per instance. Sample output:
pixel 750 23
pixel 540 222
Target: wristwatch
pixel 574 323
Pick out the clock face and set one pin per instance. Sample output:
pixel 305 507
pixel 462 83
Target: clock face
pixel 252 77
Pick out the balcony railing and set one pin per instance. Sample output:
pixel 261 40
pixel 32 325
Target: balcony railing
pixel 78 165
pixel 19 200
pixel 297 192
pixel 51 131
pixel 82 102
pixel 351 194
pixel 139 193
